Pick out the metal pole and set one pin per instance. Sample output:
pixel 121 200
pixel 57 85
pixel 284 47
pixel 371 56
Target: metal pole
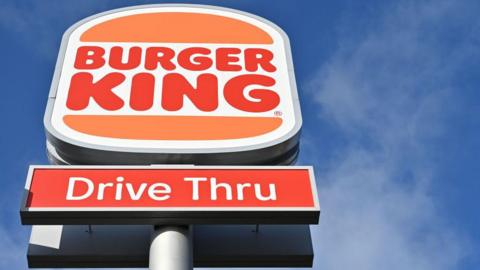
pixel 171 248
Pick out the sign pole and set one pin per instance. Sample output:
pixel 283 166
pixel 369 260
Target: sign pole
pixel 171 248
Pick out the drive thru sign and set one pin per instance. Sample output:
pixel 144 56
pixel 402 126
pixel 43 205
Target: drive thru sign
pixel 169 195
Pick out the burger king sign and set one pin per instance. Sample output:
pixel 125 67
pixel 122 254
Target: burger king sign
pixel 174 84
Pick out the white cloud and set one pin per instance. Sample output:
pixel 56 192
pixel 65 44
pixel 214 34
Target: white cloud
pixel 387 89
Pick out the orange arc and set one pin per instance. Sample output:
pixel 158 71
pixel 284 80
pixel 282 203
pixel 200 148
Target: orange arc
pixel 152 127
pixel 177 27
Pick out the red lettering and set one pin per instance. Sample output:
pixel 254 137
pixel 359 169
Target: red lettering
pixel 141 94
pixel 234 93
pixel 204 97
pixel 152 58
pixel 199 62
pixel 82 88
pixel 116 58
pixel 89 57
pixel 225 59
pixel 259 57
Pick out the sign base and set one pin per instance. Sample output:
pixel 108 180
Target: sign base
pixel 123 246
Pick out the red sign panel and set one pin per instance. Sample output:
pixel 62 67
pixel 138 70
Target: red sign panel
pixel 101 194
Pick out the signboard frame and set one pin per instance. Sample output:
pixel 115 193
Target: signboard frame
pixel 213 246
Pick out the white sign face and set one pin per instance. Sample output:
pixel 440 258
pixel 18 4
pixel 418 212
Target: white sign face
pixel 174 77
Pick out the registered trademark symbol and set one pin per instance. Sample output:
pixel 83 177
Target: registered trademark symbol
pixel 278 113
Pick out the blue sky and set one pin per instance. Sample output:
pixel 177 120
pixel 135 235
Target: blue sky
pixel 390 99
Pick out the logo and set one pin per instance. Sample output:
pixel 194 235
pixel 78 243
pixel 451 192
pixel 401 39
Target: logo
pixel 171 78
